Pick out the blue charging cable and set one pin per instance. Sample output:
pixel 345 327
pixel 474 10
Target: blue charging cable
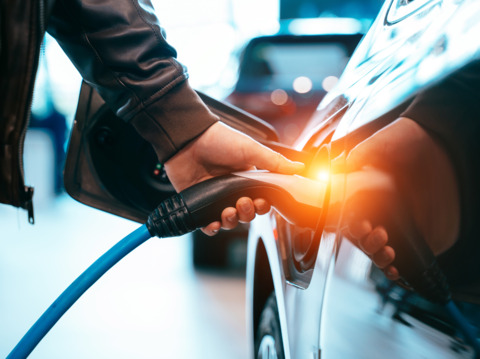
pixel 171 218
pixel 48 319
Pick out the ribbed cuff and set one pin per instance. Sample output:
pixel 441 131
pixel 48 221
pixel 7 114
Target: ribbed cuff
pixel 170 123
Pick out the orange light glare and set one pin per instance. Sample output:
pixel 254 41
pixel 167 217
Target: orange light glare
pixel 323 175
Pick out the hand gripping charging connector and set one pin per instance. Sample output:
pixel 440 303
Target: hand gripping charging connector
pixel 297 198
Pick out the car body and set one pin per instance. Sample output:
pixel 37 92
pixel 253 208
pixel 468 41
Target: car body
pixel 312 293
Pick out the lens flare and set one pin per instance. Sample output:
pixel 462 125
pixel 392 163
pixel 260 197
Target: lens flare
pixel 279 97
pixel 329 83
pixel 302 84
pixel 323 175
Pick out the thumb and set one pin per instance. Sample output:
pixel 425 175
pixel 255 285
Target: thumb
pixel 263 157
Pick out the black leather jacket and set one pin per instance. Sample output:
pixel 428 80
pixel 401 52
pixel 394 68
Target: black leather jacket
pixel 450 112
pixel 120 49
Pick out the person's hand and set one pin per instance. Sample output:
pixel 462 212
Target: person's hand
pixel 221 150
pixel 421 173
pixel 358 207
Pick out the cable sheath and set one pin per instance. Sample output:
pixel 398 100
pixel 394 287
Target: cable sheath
pixel 48 319
pixel 464 326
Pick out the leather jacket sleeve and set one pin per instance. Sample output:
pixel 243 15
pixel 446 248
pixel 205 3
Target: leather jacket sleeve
pixel 120 49
pixel 450 112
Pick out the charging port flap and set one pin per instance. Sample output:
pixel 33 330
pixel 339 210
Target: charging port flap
pixel 110 167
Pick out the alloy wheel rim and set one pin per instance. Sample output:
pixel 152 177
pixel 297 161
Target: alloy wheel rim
pixel 267 348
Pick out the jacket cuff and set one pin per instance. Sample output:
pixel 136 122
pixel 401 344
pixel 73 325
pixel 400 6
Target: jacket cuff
pixel 173 121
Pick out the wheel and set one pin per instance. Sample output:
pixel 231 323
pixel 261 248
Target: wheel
pixel 268 341
pixel 209 251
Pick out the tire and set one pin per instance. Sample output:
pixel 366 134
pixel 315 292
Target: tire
pixel 268 341
pixel 225 250
pixel 209 251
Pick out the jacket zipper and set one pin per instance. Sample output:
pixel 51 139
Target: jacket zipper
pixel 38 14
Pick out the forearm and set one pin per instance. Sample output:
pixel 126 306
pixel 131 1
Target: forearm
pixel 119 47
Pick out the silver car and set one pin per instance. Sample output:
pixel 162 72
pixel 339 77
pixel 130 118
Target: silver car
pixel 314 294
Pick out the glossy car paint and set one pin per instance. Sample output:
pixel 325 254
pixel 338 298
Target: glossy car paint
pixel 335 309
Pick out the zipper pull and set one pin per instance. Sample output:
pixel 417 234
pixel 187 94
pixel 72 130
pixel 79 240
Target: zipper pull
pixel 29 204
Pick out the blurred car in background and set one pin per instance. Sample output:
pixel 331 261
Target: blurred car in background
pixel 282 78
pixel 314 294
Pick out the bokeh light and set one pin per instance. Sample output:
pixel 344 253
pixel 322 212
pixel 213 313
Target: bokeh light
pixel 302 84
pixel 279 97
pixel 329 83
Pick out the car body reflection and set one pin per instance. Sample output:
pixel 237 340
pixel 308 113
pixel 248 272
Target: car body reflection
pixel 340 305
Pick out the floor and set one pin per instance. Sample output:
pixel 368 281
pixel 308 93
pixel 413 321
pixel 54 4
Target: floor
pixel 153 304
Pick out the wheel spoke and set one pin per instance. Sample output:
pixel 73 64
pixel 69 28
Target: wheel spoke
pixel 267 348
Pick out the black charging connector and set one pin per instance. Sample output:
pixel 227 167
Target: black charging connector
pixel 298 199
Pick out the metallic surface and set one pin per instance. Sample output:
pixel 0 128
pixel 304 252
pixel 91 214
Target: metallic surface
pixel 349 310
pixel 267 348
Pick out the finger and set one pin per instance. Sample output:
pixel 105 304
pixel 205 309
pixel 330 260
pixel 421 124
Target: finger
pixel 263 157
pixel 391 272
pixel 261 206
pixel 245 209
pixel 374 241
pixel 384 257
pixel 357 229
pixel 229 218
pixel 212 228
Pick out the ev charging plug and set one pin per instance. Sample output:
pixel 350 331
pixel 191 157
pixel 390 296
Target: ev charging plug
pixel 298 199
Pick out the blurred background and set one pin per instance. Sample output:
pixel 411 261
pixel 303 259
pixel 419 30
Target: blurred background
pixel 159 302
